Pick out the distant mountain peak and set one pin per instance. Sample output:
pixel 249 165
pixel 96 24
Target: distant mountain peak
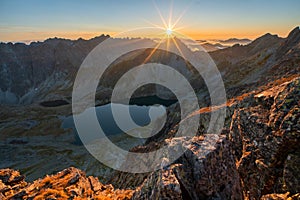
pixel 268 35
pixel 235 40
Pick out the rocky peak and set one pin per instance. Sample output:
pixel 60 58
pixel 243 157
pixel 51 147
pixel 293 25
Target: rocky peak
pixel 265 37
pixel 295 33
pixel 291 44
pixel 266 41
pixel 293 38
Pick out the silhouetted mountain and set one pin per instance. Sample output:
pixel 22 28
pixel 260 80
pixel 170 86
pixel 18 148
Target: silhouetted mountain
pixel 232 41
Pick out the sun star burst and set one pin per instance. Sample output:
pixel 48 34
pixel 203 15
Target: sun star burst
pixel 169 30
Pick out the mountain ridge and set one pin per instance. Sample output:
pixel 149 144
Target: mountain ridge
pixel 19 63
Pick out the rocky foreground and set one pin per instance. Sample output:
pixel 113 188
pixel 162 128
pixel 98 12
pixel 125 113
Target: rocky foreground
pixel 256 157
pixel 70 183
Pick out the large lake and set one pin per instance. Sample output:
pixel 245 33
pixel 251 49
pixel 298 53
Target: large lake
pixel 139 114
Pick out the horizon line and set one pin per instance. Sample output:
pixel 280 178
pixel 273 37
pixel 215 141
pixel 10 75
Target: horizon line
pixel 89 36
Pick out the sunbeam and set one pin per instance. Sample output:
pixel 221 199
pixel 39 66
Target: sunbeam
pixel 153 51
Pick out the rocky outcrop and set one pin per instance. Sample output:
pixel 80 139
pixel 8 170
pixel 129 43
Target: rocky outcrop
pixel 206 170
pixel 159 185
pixel 208 176
pixel 266 138
pixel 70 183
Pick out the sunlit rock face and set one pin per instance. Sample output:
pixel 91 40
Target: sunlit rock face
pixel 266 139
pixel 68 184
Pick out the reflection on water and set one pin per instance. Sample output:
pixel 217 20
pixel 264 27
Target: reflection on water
pixel 139 114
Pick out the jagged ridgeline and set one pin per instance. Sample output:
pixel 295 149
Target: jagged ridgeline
pixel 44 72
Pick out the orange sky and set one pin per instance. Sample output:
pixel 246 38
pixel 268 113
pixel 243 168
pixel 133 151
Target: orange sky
pixel 195 34
pixel 32 20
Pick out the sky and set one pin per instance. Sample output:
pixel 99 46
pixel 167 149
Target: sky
pixel 33 20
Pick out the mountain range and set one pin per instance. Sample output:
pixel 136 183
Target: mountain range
pixel 257 155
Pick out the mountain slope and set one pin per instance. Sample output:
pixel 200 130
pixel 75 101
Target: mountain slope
pixel 29 72
pixel 265 59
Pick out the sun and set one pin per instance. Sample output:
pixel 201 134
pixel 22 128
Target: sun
pixel 169 31
pixel 169 26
